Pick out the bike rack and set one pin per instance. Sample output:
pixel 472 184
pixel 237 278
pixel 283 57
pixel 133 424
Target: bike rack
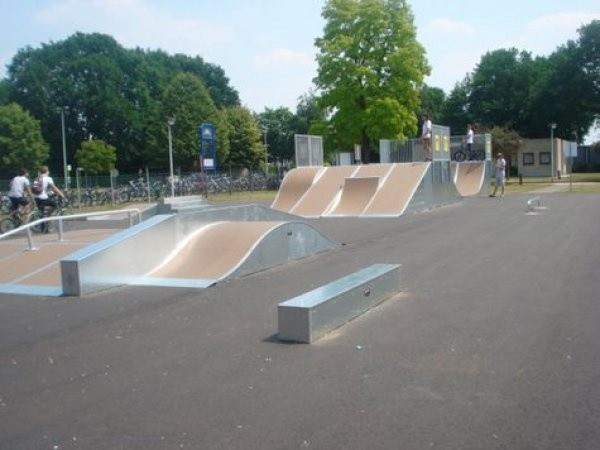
pixel 60 220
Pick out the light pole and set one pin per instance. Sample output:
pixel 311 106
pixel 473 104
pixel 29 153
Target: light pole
pixel 265 130
pixel 552 128
pixel 170 123
pixel 64 144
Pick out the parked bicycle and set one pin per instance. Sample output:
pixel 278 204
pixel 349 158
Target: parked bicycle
pixel 464 154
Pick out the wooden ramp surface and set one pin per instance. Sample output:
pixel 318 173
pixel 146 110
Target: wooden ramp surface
pixel 395 194
pixel 41 267
pixel 356 195
pixel 469 177
pixel 324 190
pixel 294 186
pixel 214 251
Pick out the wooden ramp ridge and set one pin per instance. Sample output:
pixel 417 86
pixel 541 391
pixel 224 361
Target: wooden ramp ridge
pixel 469 177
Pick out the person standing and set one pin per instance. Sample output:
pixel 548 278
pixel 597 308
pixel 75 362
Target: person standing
pixel 43 184
pixel 426 134
pixel 19 186
pixel 469 140
pixel 500 173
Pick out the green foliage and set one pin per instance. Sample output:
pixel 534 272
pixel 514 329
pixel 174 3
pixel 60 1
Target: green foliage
pixel 369 59
pixel 456 113
pixel 110 92
pixel 279 125
pixel 189 102
pixel 96 157
pixel 4 91
pixel 245 147
pixel 505 140
pixel 21 141
pixel 432 103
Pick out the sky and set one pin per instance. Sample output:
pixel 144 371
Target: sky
pixel 266 47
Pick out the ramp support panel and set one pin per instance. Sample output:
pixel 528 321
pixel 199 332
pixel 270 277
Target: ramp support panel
pixel 309 316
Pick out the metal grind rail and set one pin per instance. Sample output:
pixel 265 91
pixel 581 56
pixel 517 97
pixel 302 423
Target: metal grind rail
pixel 60 219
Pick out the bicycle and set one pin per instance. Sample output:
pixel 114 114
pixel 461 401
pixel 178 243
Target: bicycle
pixel 48 226
pixel 15 219
pixel 464 154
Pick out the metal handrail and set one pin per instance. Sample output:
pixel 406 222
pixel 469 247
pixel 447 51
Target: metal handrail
pixel 27 227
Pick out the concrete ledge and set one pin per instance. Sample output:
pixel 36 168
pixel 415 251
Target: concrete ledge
pixel 311 315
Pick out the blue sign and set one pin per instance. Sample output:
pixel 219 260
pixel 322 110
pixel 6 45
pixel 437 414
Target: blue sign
pixel 207 132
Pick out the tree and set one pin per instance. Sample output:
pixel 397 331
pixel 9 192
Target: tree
pixel 279 126
pixel 370 70
pixel 4 91
pixel 245 147
pixel 188 101
pixel 456 112
pixel 21 141
pixel 432 103
pixel 111 93
pixel 96 157
pixel 500 88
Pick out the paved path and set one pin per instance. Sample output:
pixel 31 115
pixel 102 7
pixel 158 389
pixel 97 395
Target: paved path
pixel 493 344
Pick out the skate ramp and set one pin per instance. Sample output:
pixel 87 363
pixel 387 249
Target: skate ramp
pixel 222 250
pixel 293 187
pixel 401 188
pixel 397 191
pixel 469 177
pixel 189 250
pixel 323 192
pixel 356 195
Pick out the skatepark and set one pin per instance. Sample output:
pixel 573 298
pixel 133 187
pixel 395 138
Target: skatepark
pixel 491 342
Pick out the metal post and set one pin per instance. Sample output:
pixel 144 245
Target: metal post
pixel 265 130
pixel 64 145
pixel 552 127
pixel 170 123
pixel 77 171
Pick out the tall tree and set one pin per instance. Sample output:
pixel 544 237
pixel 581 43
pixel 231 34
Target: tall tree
pixel 500 88
pixel 111 93
pixel 187 100
pixel 432 103
pixel 370 70
pixel 21 141
pixel 456 112
pixel 96 157
pixel 278 124
pixel 245 147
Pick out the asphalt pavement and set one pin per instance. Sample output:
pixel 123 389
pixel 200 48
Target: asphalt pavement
pixel 492 343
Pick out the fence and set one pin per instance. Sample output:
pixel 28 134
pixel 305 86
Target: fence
pixel 99 190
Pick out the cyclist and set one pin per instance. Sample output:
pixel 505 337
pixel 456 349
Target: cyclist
pixel 19 186
pixel 426 137
pixel 45 204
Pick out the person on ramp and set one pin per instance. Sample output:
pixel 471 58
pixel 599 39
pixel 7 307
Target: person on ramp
pixel 500 173
pixel 426 132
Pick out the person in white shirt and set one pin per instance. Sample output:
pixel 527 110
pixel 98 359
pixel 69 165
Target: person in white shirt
pixel 469 140
pixel 426 131
pixel 500 172
pixel 19 186
pixel 44 203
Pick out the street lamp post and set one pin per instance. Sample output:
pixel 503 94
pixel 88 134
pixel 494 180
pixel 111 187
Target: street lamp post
pixel 265 130
pixel 64 145
pixel 170 123
pixel 552 128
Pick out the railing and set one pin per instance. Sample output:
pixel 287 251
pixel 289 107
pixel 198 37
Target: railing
pixel 60 219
